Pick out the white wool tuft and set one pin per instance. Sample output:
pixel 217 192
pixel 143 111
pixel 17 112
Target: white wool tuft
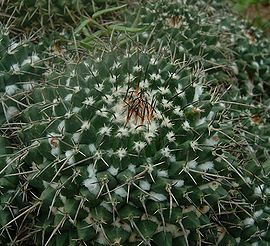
pixel 186 126
pixel 89 101
pixel 11 112
pixel 91 171
pixel 68 97
pixel 121 192
pixel 70 156
pixel 105 130
pixel 206 166
pixel 121 153
pixel 258 213
pixel 139 146
pixel 92 148
pixel 248 222
pixel 11 89
pixel 157 196
pixel 162 173
pixel 28 86
pixel 132 168
pixel 145 185
pixel 85 125
pixel 76 137
pixel 170 136
pixel 61 126
pixel 179 183
pixel 92 185
pixel 166 151
pixel 192 164
pixel 113 171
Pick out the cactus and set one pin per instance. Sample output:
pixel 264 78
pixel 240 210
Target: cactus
pixel 128 149
pixel 136 146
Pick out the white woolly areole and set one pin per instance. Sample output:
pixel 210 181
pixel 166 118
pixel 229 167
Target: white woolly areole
pixel 201 121
pixel 11 89
pixel 12 48
pixel 28 86
pixel 129 78
pixel 121 224
pixel 68 97
pixel 85 125
pixel 132 168
pixel 103 112
pixel 76 137
pixel 139 146
pixel 92 185
pixel 112 79
pixel 258 190
pixel 198 92
pixel 121 192
pixel 121 153
pixel 166 152
pixel 144 84
pixel 122 132
pixel 61 126
pixel 206 166
pixel 167 122
pixel 178 111
pixel 258 213
pixel 113 171
pixel 162 173
pixel 178 183
pixel 31 59
pixel 166 103
pixel 248 222
pixel 155 76
pixel 89 101
pixel 55 151
pixel 92 148
pixel 76 109
pixel 15 68
pixel 109 99
pixel 105 130
pixel 186 126
pixel 137 68
pixel 157 196
pixel 91 171
pixel 53 139
pixel 212 141
pixel 192 164
pixel 11 112
pixel 170 136
pixel 145 185
pixel 70 156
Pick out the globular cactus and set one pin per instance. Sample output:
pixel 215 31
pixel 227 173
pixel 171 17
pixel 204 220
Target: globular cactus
pixel 132 148
pixel 138 146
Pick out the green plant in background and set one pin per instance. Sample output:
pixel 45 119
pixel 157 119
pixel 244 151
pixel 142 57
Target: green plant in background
pixel 141 143
pixel 30 16
pixel 255 10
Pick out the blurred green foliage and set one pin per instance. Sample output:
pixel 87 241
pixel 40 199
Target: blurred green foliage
pixel 258 11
